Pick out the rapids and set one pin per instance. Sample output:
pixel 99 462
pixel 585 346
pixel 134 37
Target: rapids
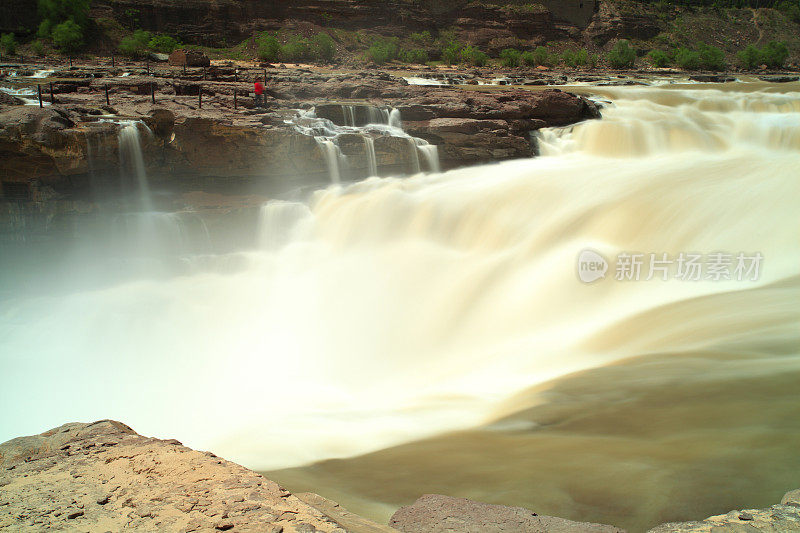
pixel 391 310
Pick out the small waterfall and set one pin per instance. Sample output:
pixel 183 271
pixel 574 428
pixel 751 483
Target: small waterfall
pixel 280 222
pixel 414 156
pixel 154 234
pixel 372 160
pixel 333 157
pixel 349 113
pixel 430 153
pixel 130 156
pixel 378 115
pixel 394 119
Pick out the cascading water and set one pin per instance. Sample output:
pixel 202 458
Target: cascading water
pixel 131 160
pixel 349 115
pixel 333 158
pixel 372 160
pixel 430 153
pixel 390 310
pixel 394 119
pixel 382 122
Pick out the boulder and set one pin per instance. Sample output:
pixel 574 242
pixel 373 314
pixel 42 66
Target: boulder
pixel 434 513
pixel 190 58
pixel 781 518
pixel 712 78
pixel 104 476
pixel 779 79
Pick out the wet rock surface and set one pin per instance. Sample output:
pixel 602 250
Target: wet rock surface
pixel 435 513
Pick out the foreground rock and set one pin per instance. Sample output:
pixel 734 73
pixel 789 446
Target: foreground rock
pixel 434 513
pixel 105 477
pixel 780 518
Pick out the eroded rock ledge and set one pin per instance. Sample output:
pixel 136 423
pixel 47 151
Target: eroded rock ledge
pixel 104 476
pixel 228 140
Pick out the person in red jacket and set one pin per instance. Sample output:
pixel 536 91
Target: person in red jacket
pixel 259 90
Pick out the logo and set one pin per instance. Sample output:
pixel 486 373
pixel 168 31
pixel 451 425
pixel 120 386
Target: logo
pixel 591 266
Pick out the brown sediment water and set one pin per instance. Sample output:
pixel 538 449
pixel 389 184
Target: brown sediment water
pixel 671 436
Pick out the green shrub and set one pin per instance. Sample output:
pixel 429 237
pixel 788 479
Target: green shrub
pixel 774 54
pixel 163 43
pixel 417 55
pixel 45 29
pixel 575 58
pixel 622 55
pixel 540 56
pixel 473 56
pixel 68 36
pixel 135 45
pixel 383 50
pixel 750 57
pixel 269 49
pixel 510 57
pixel 687 59
pixel 706 57
pixel 58 11
pixel 711 57
pixel 422 38
pixel 659 58
pixel 66 21
pixel 323 46
pixel 8 44
pixel 296 49
pixel 37 48
pixel 451 53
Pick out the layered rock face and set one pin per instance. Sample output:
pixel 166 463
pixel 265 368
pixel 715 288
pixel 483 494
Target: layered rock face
pixel 62 144
pixel 231 21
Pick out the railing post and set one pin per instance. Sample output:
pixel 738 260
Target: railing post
pixel 235 105
pixel 39 89
pixel 108 102
pixel 200 97
pixel 52 98
pixel 153 92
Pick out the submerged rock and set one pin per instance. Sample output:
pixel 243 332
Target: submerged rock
pixel 435 513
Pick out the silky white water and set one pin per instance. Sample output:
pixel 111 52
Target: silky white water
pixel 395 309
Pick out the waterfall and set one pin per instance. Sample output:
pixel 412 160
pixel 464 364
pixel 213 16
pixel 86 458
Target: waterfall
pixel 382 122
pixel 130 157
pixel 413 156
pixel 430 153
pixel 157 235
pixel 372 160
pixel 349 115
pixel 333 158
pixel 394 119
pixel 280 222
pixel 374 115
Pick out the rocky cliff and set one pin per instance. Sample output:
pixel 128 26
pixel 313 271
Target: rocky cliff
pixel 226 139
